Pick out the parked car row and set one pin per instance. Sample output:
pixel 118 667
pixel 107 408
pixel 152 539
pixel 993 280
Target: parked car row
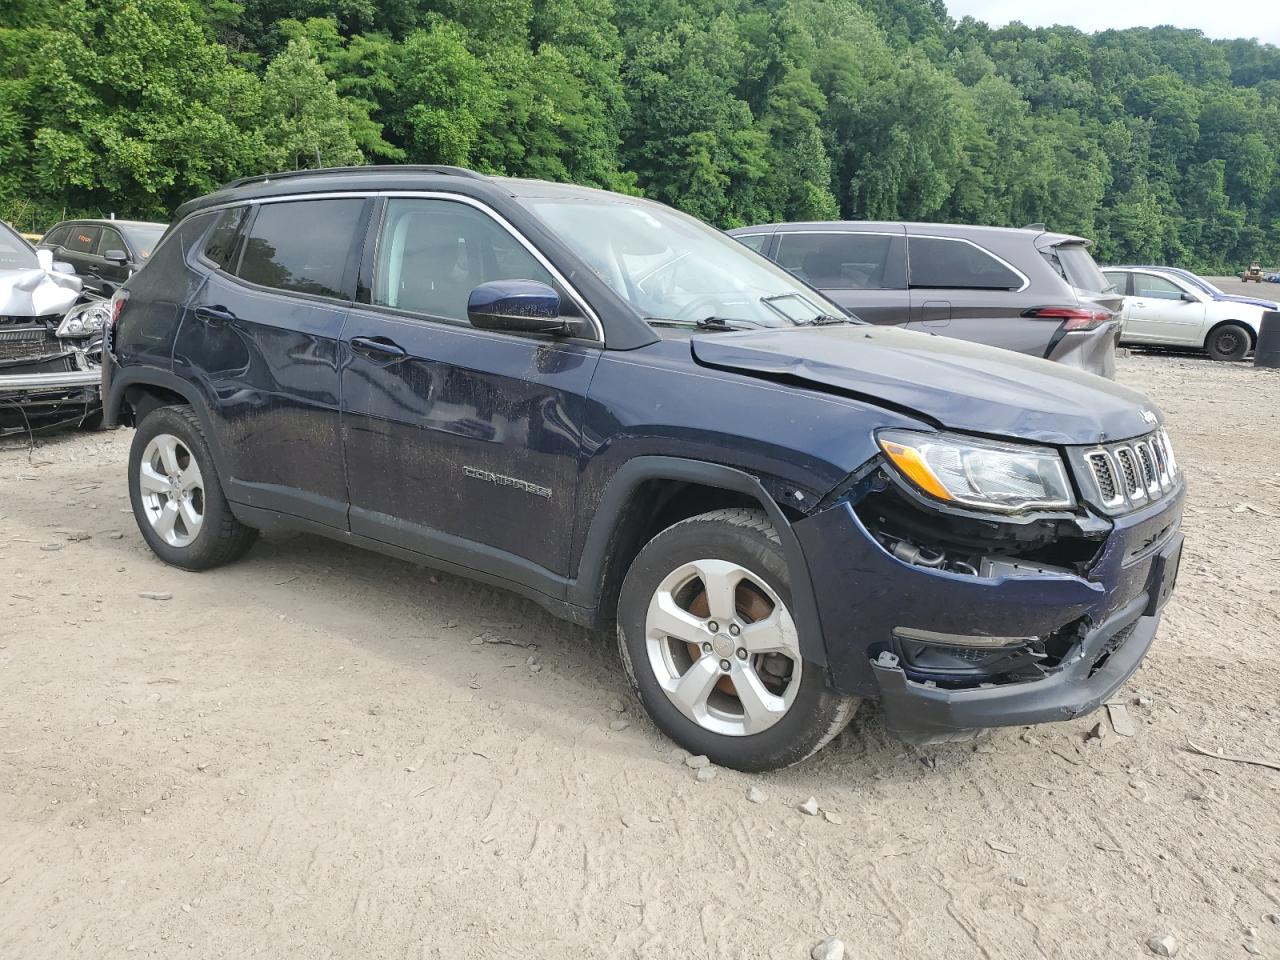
pixel 1028 290
pixel 622 414
pixel 1170 307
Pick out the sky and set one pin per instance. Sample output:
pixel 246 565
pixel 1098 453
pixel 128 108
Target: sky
pixel 1223 18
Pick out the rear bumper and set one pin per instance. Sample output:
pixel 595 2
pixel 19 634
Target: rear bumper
pixel 1093 351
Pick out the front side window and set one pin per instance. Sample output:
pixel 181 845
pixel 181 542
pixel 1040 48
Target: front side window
pixel 82 238
pixel 433 253
pixel 1156 288
pixel 301 245
pixel 144 240
pixel 941 263
pixel 675 269
pixel 109 239
pixel 845 261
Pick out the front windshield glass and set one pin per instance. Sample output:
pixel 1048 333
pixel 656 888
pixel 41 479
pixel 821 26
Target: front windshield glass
pixel 1197 281
pixel 676 269
pixel 15 253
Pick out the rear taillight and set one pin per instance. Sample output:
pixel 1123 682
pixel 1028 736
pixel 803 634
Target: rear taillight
pixel 1075 318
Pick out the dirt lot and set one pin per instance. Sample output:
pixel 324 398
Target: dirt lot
pixel 309 754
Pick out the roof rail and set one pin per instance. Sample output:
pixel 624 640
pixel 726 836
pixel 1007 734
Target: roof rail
pixel 367 168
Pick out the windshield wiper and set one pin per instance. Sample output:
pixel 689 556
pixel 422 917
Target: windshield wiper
pixel 823 320
pixel 706 323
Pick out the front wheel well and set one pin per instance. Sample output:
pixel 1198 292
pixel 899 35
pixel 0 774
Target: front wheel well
pixel 141 399
pixel 1253 337
pixel 653 506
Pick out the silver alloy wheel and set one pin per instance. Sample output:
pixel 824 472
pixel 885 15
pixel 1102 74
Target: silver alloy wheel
pixel 729 646
pixel 172 490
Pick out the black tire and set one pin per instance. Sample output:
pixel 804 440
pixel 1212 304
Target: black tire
pixel 745 537
pixel 221 537
pixel 1229 342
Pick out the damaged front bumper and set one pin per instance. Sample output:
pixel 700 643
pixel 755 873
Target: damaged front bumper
pixel 1085 633
pixel 49 392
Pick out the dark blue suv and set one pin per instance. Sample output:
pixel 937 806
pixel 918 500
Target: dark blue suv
pixel 632 419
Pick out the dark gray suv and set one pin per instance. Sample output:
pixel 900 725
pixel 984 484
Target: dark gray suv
pixel 1028 290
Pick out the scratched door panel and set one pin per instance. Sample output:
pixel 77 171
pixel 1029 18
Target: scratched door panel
pixel 472 438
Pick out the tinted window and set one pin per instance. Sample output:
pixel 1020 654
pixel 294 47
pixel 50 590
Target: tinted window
pixel 82 238
pixel 1149 285
pixel 937 262
pixel 144 240
pixel 55 237
pixel 14 251
pixel 755 241
pixel 221 246
pixel 109 239
pixel 1080 269
pixel 433 253
pixel 301 245
pixel 845 261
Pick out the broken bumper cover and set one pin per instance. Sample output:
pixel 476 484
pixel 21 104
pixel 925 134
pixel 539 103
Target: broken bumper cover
pixel 926 713
pixel 866 597
pixel 50 398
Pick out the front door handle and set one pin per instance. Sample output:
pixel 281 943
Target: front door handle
pixel 378 349
pixel 215 315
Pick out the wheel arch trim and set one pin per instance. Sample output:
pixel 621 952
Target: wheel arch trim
pixel 124 377
pixel 593 562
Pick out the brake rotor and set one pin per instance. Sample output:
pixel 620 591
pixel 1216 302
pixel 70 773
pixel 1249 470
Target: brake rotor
pixel 751 605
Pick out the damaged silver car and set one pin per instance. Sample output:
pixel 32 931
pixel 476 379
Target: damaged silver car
pixel 50 341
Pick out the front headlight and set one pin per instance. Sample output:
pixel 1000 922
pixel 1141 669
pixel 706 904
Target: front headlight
pixel 1003 477
pixel 86 320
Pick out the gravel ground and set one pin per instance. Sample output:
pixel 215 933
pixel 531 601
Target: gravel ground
pixel 316 753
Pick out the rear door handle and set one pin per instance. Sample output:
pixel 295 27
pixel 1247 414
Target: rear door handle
pixel 215 314
pixel 378 349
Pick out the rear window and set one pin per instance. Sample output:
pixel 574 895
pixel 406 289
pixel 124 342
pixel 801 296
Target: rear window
pixel 1080 269
pixel 845 261
pixel 941 263
pixel 301 245
pixel 755 241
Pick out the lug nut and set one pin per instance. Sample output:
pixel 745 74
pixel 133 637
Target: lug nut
pixel 734 630
pixel 724 665
pixel 742 653
pixel 713 626
pixel 706 648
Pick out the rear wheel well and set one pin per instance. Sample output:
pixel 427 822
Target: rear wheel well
pixel 141 398
pixel 655 505
pixel 1253 337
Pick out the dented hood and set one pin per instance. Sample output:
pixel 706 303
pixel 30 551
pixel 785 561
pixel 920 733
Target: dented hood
pixel 36 292
pixel 958 385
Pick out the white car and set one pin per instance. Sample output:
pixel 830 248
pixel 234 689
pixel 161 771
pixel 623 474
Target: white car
pixel 1167 306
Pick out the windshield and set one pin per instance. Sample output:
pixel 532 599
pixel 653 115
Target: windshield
pixel 144 239
pixel 676 269
pixel 15 253
pixel 1196 281
pixel 1082 273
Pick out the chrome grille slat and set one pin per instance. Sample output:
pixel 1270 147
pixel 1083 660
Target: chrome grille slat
pixel 1128 475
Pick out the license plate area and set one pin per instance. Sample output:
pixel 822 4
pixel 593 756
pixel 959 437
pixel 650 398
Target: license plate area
pixel 1164 576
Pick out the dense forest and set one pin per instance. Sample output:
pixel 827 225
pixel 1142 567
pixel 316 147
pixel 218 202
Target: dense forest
pixel 1161 145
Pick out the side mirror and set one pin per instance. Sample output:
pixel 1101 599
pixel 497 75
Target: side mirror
pixel 1189 297
pixel 116 256
pixel 518 306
